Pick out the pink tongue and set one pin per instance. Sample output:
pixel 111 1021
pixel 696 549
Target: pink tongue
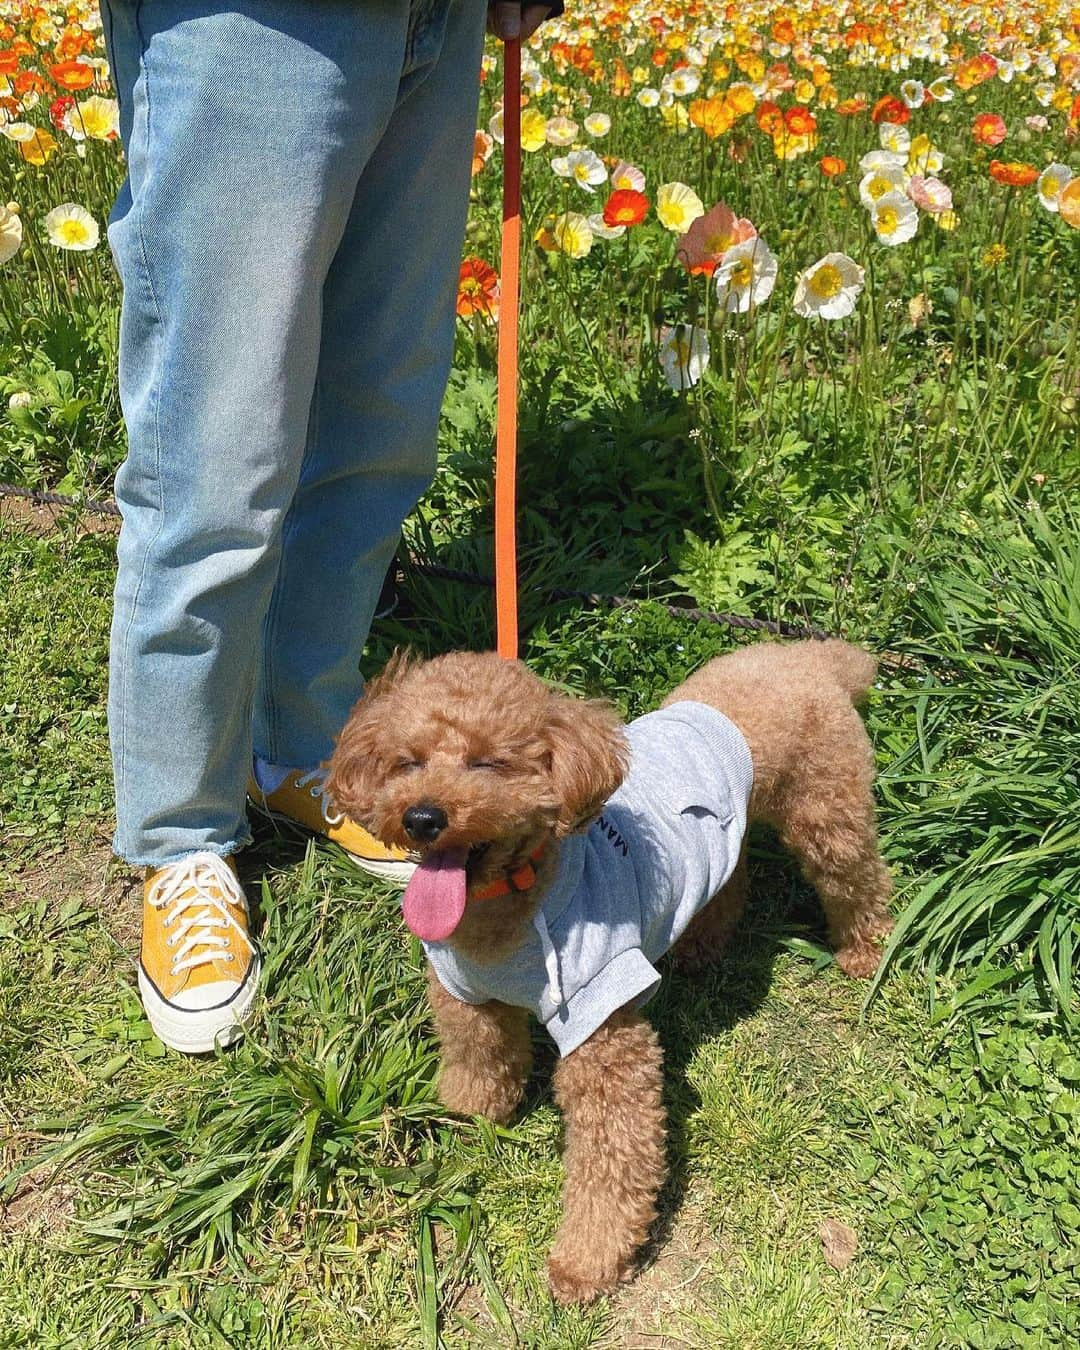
pixel 434 899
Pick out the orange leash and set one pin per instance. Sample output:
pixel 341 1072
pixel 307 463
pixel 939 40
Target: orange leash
pixel 506 613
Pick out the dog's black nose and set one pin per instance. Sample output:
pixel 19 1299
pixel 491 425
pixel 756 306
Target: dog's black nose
pixel 424 822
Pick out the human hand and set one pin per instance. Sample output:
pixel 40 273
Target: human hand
pixel 507 19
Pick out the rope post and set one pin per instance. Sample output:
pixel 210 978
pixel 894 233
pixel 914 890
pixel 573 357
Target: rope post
pixel 506 613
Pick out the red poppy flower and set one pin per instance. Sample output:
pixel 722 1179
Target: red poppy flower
pixel 58 108
pixel 625 207
pixel 891 109
pixel 800 121
pixel 988 129
pixel 832 166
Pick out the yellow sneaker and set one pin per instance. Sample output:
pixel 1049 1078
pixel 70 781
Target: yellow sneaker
pixel 301 798
pixel 198 968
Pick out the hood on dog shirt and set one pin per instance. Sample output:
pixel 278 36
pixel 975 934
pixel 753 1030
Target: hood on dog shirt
pixel 625 890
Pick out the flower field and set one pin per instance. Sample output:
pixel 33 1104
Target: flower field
pixel 801 341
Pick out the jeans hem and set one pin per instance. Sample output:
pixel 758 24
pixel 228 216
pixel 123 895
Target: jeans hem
pixel 220 850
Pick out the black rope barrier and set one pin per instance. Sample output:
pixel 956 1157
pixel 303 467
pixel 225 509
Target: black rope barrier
pixel 779 627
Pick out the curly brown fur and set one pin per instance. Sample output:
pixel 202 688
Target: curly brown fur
pixel 609 1091
pixel 486 1054
pixel 813 775
pixel 516 766
pixel 512 763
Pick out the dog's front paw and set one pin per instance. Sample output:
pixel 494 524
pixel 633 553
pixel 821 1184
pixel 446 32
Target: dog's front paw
pixel 472 1093
pixel 584 1264
pixel 571 1283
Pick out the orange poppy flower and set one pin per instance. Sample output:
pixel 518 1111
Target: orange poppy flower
pixel 769 118
pixel 968 75
pixel 29 81
pixel 712 115
pixel 9 63
pixel 73 44
pixel 988 129
pixel 1013 173
pixel 39 149
pixel 625 207
pixel 832 166
pixel 851 107
pixel 483 144
pixel 478 289
pixel 73 75
pixel 1069 204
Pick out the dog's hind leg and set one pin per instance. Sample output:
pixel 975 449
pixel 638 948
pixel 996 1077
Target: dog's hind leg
pixel 610 1092
pixel 838 852
pixel 710 930
pixel 486 1054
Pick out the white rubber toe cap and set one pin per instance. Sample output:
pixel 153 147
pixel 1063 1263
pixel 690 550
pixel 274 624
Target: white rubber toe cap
pixel 201 1019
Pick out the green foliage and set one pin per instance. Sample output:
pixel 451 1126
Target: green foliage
pixel 54 608
pixel 983 1190
pixel 724 574
pixel 984 804
pixel 63 429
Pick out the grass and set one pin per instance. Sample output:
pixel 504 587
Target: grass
pixel 307 1190
pixel 996 772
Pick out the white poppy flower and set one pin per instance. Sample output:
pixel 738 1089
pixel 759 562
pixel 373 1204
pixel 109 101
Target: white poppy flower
pixel 829 288
pixel 745 276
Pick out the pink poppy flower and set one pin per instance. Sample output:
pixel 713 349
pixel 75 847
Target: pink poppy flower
pixel 930 194
pixel 702 247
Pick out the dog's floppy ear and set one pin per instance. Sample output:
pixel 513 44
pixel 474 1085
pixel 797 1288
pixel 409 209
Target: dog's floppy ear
pixel 588 756
pixel 356 767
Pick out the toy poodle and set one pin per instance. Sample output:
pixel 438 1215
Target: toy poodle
pixel 563 853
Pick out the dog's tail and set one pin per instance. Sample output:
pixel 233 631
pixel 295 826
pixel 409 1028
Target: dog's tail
pixel 852 668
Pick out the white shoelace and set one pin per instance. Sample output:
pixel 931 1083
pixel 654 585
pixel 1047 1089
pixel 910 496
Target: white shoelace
pixel 197 889
pixel 315 782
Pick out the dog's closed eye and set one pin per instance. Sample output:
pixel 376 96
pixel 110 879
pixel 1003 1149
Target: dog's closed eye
pixel 496 765
pixel 405 764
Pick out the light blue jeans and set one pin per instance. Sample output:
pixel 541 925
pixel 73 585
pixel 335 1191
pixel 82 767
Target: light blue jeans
pixel 288 239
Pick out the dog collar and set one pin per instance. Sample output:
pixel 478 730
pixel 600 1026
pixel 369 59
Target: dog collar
pixel 520 879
